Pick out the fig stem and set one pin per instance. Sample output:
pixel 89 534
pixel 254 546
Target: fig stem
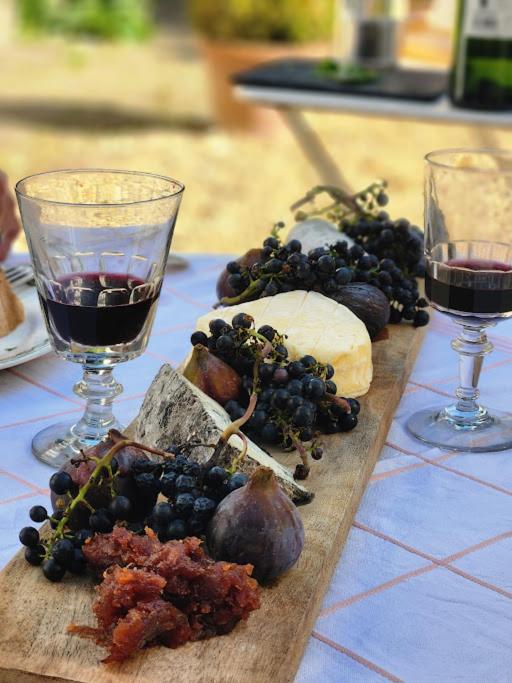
pixel 262 476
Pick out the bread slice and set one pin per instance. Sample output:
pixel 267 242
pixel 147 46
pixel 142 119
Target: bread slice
pixel 11 308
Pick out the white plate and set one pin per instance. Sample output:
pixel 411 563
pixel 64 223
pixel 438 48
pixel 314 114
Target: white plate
pixel 30 339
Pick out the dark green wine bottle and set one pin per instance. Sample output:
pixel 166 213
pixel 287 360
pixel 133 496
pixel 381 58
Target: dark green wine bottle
pixel 482 72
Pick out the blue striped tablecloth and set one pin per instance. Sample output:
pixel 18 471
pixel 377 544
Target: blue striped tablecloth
pixel 423 589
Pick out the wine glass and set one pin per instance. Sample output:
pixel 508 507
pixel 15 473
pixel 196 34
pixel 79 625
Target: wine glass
pixel 99 242
pixel 468 249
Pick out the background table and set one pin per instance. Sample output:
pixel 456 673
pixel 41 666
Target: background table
pixel 423 589
pixel 293 102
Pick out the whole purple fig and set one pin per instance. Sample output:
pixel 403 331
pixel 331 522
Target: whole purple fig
pixel 212 375
pixel 258 524
pixel 248 259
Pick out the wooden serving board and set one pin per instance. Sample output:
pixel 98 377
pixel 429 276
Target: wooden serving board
pixel 34 614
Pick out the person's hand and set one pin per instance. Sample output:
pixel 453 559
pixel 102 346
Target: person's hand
pixel 9 224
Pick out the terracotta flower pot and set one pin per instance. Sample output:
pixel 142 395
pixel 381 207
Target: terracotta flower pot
pixel 224 59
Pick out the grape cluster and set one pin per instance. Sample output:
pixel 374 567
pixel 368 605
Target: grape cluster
pixel 360 216
pixel 284 268
pixel 389 239
pixel 189 494
pixel 296 399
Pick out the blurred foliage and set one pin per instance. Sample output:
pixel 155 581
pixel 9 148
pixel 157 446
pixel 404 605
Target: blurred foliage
pixel 107 19
pixel 294 21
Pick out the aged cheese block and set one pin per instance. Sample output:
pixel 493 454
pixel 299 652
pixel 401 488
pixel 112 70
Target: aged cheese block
pixel 11 308
pixel 314 325
pixel 175 411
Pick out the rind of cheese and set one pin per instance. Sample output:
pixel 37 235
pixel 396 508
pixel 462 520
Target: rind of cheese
pixel 316 325
pixel 176 411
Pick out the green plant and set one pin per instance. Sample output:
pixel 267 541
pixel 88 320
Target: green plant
pixel 108 19
pixel 294 21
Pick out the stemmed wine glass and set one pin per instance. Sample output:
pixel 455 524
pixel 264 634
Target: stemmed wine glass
pixel 99 241
pixel 468 248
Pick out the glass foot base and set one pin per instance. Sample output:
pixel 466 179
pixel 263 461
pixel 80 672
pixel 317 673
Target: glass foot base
pixel 58 443
pixel 450 429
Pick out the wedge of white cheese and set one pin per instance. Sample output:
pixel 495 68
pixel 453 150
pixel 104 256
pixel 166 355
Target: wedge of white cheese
pixel 316 325
pixel 175 411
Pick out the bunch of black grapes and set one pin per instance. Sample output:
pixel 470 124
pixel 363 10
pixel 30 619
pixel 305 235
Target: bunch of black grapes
pixel 296 399
pixel 361 217
pixel 284 268
pixel 385 238
pixel 189 495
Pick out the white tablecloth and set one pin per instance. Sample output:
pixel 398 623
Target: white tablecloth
pixel 423 589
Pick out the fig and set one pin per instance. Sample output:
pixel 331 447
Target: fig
pixel 367 302
pixel 99 496
pixel 212 375
pixel 248 259
pixel 259 525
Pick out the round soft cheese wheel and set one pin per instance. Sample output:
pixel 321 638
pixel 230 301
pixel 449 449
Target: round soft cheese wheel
pixel 316 325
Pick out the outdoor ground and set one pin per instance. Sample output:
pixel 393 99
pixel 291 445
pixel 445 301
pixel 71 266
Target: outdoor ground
pixel 147 107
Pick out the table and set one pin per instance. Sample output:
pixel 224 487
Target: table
pixel 423 589
pixel 292 103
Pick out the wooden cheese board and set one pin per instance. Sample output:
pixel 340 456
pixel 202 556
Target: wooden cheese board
pixel 34 614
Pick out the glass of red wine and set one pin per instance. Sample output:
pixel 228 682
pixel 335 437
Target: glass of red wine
pixel 468 249
pixel 99 242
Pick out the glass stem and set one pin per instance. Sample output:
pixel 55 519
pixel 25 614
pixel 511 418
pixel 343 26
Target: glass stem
pixel 472 346
pixel 99 388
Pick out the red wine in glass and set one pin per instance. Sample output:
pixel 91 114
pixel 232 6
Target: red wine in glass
pixel 468 252
pixel 99 309
pixel 99 242
pixel 469 284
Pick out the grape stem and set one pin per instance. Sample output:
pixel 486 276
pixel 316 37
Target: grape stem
pixel 102 464
pixel 196 444
pixel 336 193
pixel 300 448
pixel 234 427
pixel 240 458
pixel 251 289
pixel 339 196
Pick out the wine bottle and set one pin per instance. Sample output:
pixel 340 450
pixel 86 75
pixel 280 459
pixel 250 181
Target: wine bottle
pixel 482 71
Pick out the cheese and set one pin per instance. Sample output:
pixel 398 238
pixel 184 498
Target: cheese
pixel 316 325
pixel 176 411
pixel 316 232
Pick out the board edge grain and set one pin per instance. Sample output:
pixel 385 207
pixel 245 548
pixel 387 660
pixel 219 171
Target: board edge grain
pixel 310 617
